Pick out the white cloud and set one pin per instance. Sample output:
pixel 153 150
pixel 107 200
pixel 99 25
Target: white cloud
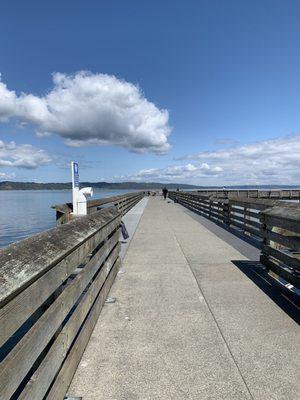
pixel 5 177
pixel 179 173
pixel 22 156
pixel 92 109
pixel 275 161
pixel 267 161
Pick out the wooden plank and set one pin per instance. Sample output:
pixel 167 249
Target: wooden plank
pixel 23 262
pixel 246 228
pixel 245 194
pixel 40 382
pixel 204 210
pixel 242 211
pixel 131 205
pixel 64 208
pixel 220 205
pixel 128 204
pixel 257 204
pixel 187 205
pixel 286 258
pixel 282 223
pixel 210 212
pixel 27 350
pixel 113 199
pixel 291 242
pixel 202 205
pixel 287 217
pixel 246 221
pixel 69 367
pixel 213 215
pixel 194 205
pixel 108 200
pixel 284 273
pixel 198 204
pixel 14 313
pixel 63 211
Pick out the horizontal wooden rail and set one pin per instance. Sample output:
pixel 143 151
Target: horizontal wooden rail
pixel 273 224
pixel 123 203
pixel 53 286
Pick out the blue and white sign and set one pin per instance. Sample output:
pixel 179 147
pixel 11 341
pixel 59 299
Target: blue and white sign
pixel 75 175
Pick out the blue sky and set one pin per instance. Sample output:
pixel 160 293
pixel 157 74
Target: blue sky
pixel 227 72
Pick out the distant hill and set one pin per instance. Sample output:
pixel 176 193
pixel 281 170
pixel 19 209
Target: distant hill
pixel 10 185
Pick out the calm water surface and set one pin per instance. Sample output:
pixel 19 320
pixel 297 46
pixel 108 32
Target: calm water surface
pixel 26 212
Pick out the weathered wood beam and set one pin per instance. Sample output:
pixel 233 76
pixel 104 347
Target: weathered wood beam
pixel 24 262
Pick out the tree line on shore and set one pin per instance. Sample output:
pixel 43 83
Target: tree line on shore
pixel 11 185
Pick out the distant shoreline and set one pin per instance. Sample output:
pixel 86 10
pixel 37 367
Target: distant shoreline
pixel 10 185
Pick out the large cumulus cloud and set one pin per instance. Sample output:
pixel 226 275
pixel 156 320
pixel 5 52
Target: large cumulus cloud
pixel 92 109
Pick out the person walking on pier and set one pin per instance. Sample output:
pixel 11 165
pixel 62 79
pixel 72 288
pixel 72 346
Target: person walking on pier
pixel 165 192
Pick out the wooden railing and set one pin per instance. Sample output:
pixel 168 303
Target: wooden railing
pixel 240 214
pixel 123 203
pixel 279 194
pixel 53 286
pixel 269 223
pixel 281 244
pixel 244 215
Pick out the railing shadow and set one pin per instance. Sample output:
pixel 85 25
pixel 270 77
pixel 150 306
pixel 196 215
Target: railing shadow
pixel 255 242
pixel 287 300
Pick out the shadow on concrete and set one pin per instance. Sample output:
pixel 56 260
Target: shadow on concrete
pixel 246 245
pixel 256 242
pixel 287 300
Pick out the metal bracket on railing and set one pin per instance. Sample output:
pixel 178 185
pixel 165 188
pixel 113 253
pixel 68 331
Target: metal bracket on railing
pixel 124 231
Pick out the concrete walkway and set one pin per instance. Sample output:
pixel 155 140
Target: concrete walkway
pixel 188 323
pixel 131 220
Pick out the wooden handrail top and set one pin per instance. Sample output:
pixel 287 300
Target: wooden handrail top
pixel 288 211
pixel 254 201
pixel 68 207
pixel 23 262
pixel 192 194
pixel 246 201
pixel 107 200
pixel 248 194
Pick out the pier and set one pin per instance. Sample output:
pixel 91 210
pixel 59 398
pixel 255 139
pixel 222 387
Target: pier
pixel 201 302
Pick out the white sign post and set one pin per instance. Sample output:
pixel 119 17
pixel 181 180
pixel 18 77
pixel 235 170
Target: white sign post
pixel 75 185
pixel 79 195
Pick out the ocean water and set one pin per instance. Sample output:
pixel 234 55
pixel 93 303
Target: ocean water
pixel 26 212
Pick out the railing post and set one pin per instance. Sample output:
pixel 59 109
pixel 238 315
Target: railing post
pixel 226 212
pixel 246 216
pixel 263 257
